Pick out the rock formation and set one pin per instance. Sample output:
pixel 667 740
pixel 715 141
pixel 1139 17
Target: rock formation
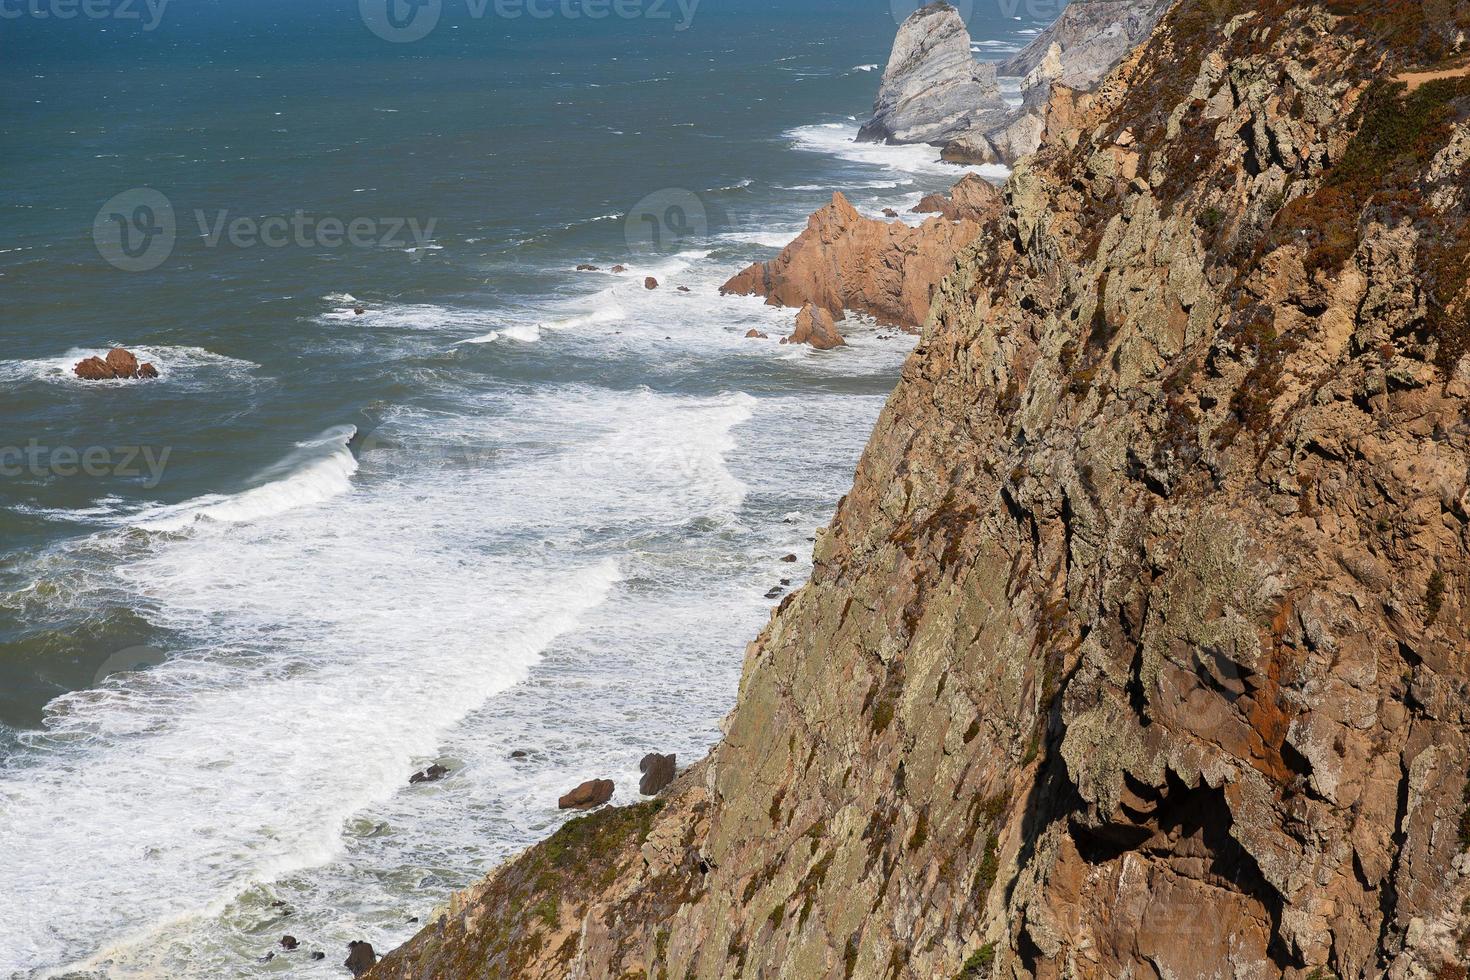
pixel 1085 42
pixel 933 88
pixel 119 365
pixel 972 199
pixel 361 957
pixel 658 772
pixel 815 328
pixel 1139 646
pixel 593 793
pixel 844 261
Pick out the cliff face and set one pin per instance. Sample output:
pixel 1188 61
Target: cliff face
pixel 1087 40
pixel 1139 646
pixel 1075 52
pixel 933 88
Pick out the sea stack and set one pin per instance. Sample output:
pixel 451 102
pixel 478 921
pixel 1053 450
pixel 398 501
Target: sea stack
pixel 933 88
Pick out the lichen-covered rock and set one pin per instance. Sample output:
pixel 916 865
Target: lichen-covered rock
pixel 933 88
pixel 1139 647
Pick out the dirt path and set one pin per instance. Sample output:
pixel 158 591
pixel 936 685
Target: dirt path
pixel 1416 79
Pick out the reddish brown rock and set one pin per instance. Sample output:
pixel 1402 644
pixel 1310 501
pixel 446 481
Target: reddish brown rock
pixel 122 363
pixel 973 199
pixel 119 365
pixel 650 283
pixel 593 793
pixel 844 261
pixel 889 213
pixel 619 268
pixel 815 327
pixel 755 335
pixel 94 369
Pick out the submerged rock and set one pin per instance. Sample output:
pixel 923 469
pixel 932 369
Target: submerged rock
pixel 658 771
pixel 593 793
pixel 585 267
pixel 289 943
pixel 620 268
pixel 933 88
pixel 430 775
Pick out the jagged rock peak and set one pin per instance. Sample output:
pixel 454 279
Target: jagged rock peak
pixel 933 87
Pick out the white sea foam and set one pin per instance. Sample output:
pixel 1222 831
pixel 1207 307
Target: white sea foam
pixel 839 140
pixel 314 472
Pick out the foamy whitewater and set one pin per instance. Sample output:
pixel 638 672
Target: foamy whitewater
pixel 543 513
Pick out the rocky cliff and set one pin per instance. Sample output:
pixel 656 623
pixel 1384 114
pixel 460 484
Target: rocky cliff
pixel 933 88
pixel 1075 52
pixel 1086 40
pixel 1139 647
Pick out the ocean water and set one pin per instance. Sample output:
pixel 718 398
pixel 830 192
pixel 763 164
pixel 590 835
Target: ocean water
pixel 510 507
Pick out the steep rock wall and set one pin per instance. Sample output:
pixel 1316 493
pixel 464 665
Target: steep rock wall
pixel 1139 646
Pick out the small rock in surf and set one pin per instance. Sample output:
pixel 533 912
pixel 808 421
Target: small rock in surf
pixel 658 771
pixel 430 775
pixel 360 957
pixel 593 793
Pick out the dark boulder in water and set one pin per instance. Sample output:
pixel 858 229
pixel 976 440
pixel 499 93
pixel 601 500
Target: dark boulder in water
pixel 519 754
pixel 430 775
pixel 289 943
pixel 658 771
pixel 650 283
pixel 585 267
pixel 360 957
pixel 620 268
pixel 593 793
